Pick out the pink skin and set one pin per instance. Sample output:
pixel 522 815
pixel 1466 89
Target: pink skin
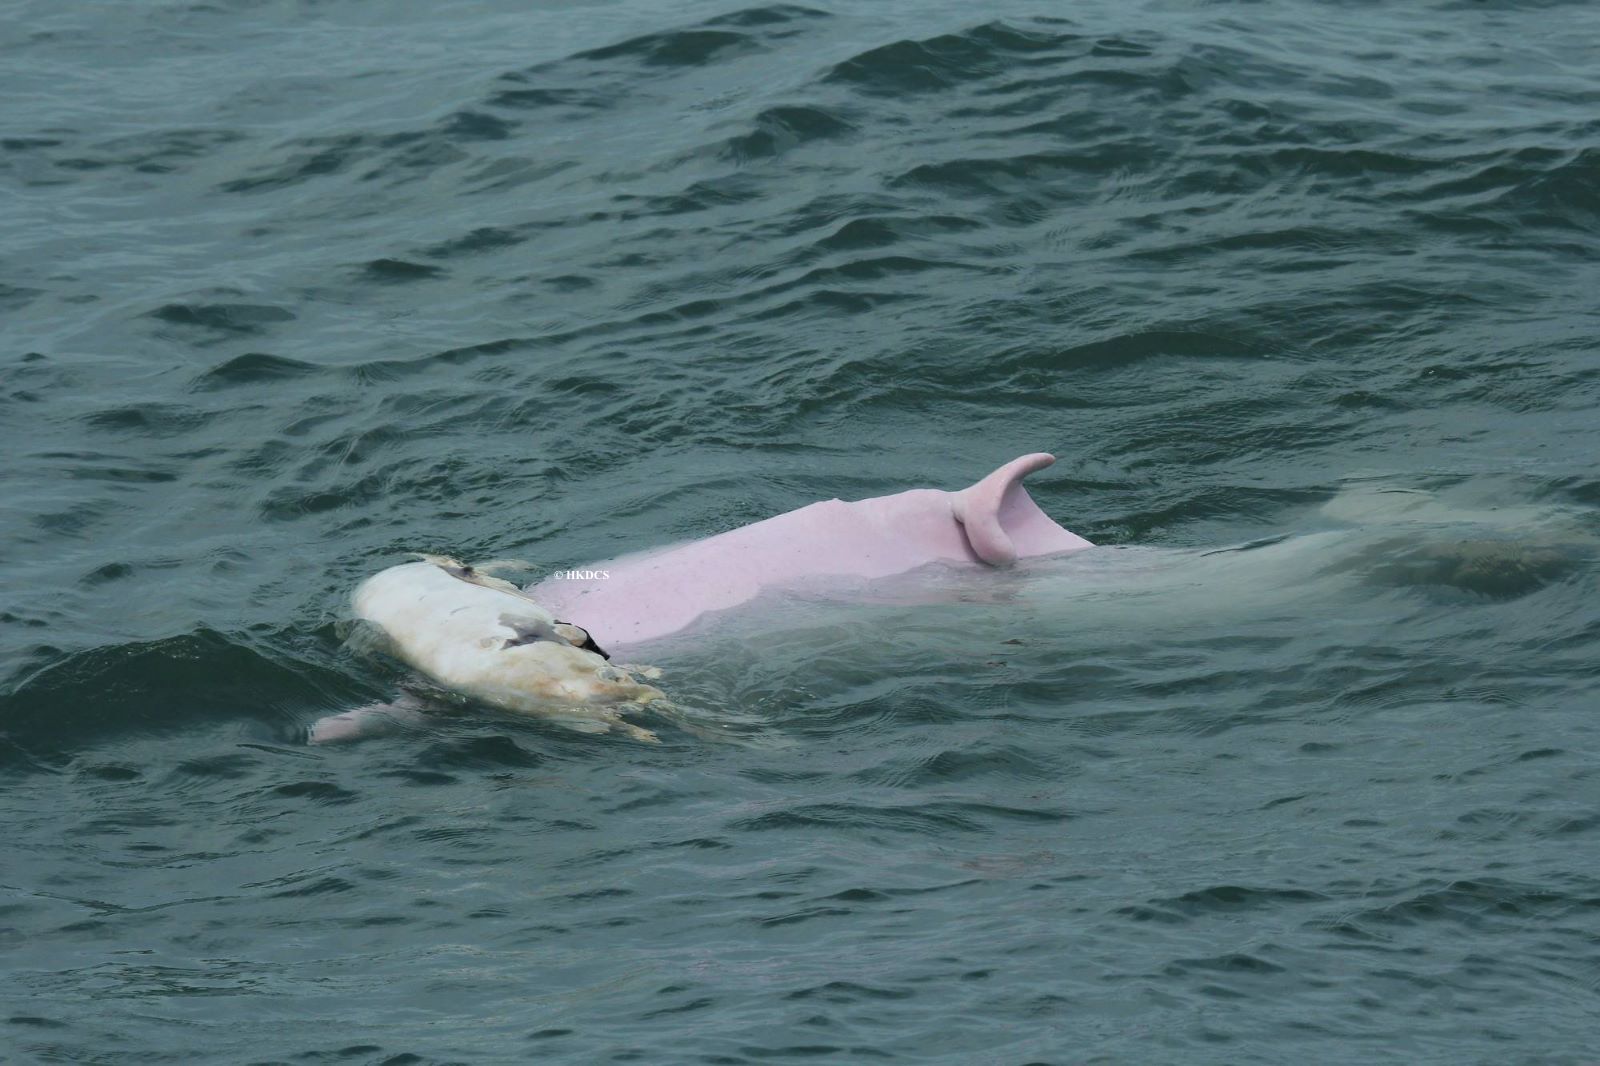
pixel 647 596
pixel 652 595
pixel 375 719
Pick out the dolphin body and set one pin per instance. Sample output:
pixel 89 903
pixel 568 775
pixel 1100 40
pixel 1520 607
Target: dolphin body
pixel 945 549
pixel 654 594
pixel 468 632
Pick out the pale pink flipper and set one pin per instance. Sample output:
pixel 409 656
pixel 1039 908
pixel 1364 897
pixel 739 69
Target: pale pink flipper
pixel 373 720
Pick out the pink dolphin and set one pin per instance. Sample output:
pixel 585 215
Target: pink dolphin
pixel 657 593
pixel 654 594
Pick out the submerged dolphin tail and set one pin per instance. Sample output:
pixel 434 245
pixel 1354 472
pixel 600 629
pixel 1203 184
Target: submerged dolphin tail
pixel 1002 521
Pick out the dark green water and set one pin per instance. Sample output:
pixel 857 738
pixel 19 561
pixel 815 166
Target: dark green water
pixel 289 289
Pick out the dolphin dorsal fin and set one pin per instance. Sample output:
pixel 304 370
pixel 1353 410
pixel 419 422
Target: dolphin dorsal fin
pixel 977 508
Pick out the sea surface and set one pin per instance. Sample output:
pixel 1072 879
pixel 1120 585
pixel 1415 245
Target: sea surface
pixel 289 289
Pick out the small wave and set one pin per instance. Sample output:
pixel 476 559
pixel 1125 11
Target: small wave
pixel 148 419
pixel 238 318
pixel 399 271
pixel 935 63
pixel 149 152
pixel 482 239
pixel 86 696
pixel 882 231
pixel 736 33
pixel 1199 903
pixel 1476 904
pixel 679 48
pixel 934 818
pixel 310 158
pixel 779 129
pixel 550 98
pixel 16 297
pixel 252 368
